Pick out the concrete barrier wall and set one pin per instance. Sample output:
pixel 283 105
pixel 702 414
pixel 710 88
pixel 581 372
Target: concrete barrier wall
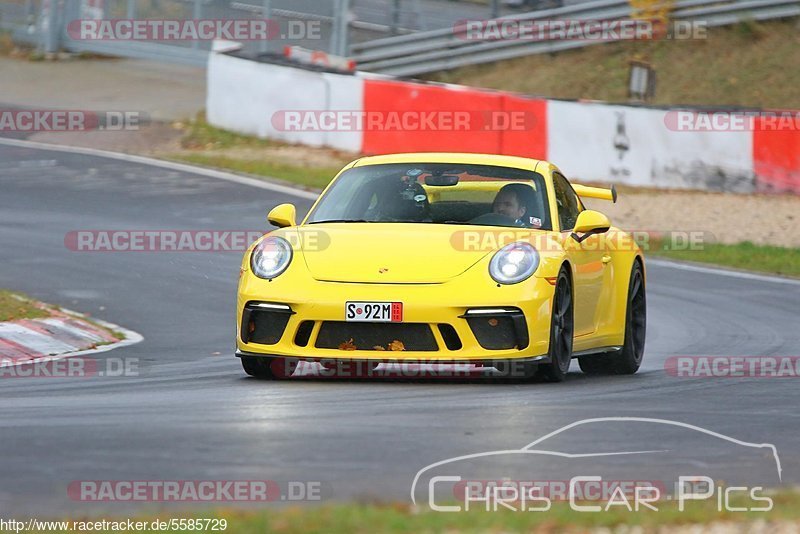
pixel 245 96
pixel 776 158
pixel 631 145
pixel 589 141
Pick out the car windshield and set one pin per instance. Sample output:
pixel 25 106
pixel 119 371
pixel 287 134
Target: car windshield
pixel 436 193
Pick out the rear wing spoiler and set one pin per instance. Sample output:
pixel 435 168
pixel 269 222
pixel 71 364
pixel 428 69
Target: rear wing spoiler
pixel 584 191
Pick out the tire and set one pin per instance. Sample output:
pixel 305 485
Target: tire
pixel 628 359
pixel 268 368
pixel 562 330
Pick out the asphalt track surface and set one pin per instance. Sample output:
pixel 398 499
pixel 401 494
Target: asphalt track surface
pixel 192 414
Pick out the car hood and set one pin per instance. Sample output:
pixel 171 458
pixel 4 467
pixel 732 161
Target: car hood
pixel 385 253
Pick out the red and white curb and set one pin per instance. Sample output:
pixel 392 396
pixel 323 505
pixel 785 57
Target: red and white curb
pixel 63 335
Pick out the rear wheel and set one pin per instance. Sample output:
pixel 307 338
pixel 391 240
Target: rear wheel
pixel 561 331
pixel 628 359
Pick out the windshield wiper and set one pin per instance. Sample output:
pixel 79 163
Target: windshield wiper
pixel 341 221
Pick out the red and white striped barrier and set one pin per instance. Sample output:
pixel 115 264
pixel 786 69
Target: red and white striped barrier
pixel 63 334
pixel 33 338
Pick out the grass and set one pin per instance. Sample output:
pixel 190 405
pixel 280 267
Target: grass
pixel 745 255
pixel 201 135
pixel 207 145
pixel 308 176
pixel 6 44
pixel 10 49
pixel 17 306
pixel 401 518
pixel 751 64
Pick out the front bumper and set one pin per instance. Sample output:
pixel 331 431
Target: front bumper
pixel 302 319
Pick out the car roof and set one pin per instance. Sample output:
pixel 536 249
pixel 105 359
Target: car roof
pixel 451 157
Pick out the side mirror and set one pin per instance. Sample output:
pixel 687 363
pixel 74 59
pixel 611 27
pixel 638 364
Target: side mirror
pixel 282 216
pixel 589 223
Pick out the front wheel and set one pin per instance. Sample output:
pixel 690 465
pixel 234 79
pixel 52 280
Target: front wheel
pixel 628 359
pixel 268 368
pixel 562 329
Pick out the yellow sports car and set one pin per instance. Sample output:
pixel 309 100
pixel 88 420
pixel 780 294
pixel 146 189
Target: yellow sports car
pixel 452 258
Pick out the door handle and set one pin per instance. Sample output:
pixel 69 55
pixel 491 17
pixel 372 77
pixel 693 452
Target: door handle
pixel 606 258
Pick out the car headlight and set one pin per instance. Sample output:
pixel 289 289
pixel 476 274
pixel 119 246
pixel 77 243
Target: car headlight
pixel 271 257
pixel 514 263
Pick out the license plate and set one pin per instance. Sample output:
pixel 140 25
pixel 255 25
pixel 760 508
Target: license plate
pixel 374 312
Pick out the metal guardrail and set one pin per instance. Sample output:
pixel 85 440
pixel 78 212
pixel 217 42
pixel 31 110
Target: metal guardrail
pixel 443 49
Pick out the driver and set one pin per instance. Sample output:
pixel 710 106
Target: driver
pixel 510 201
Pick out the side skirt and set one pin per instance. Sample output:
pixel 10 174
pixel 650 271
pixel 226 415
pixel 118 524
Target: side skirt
pixel 596 351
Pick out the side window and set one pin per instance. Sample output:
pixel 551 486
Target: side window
pixel 568 205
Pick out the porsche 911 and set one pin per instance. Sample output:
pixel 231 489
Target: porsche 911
pixel 450 258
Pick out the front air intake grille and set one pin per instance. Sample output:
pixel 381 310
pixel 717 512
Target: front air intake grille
pixel 493 333
pixel 263 325
pixel 368 336
pixel 303 333
pixel 450 337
